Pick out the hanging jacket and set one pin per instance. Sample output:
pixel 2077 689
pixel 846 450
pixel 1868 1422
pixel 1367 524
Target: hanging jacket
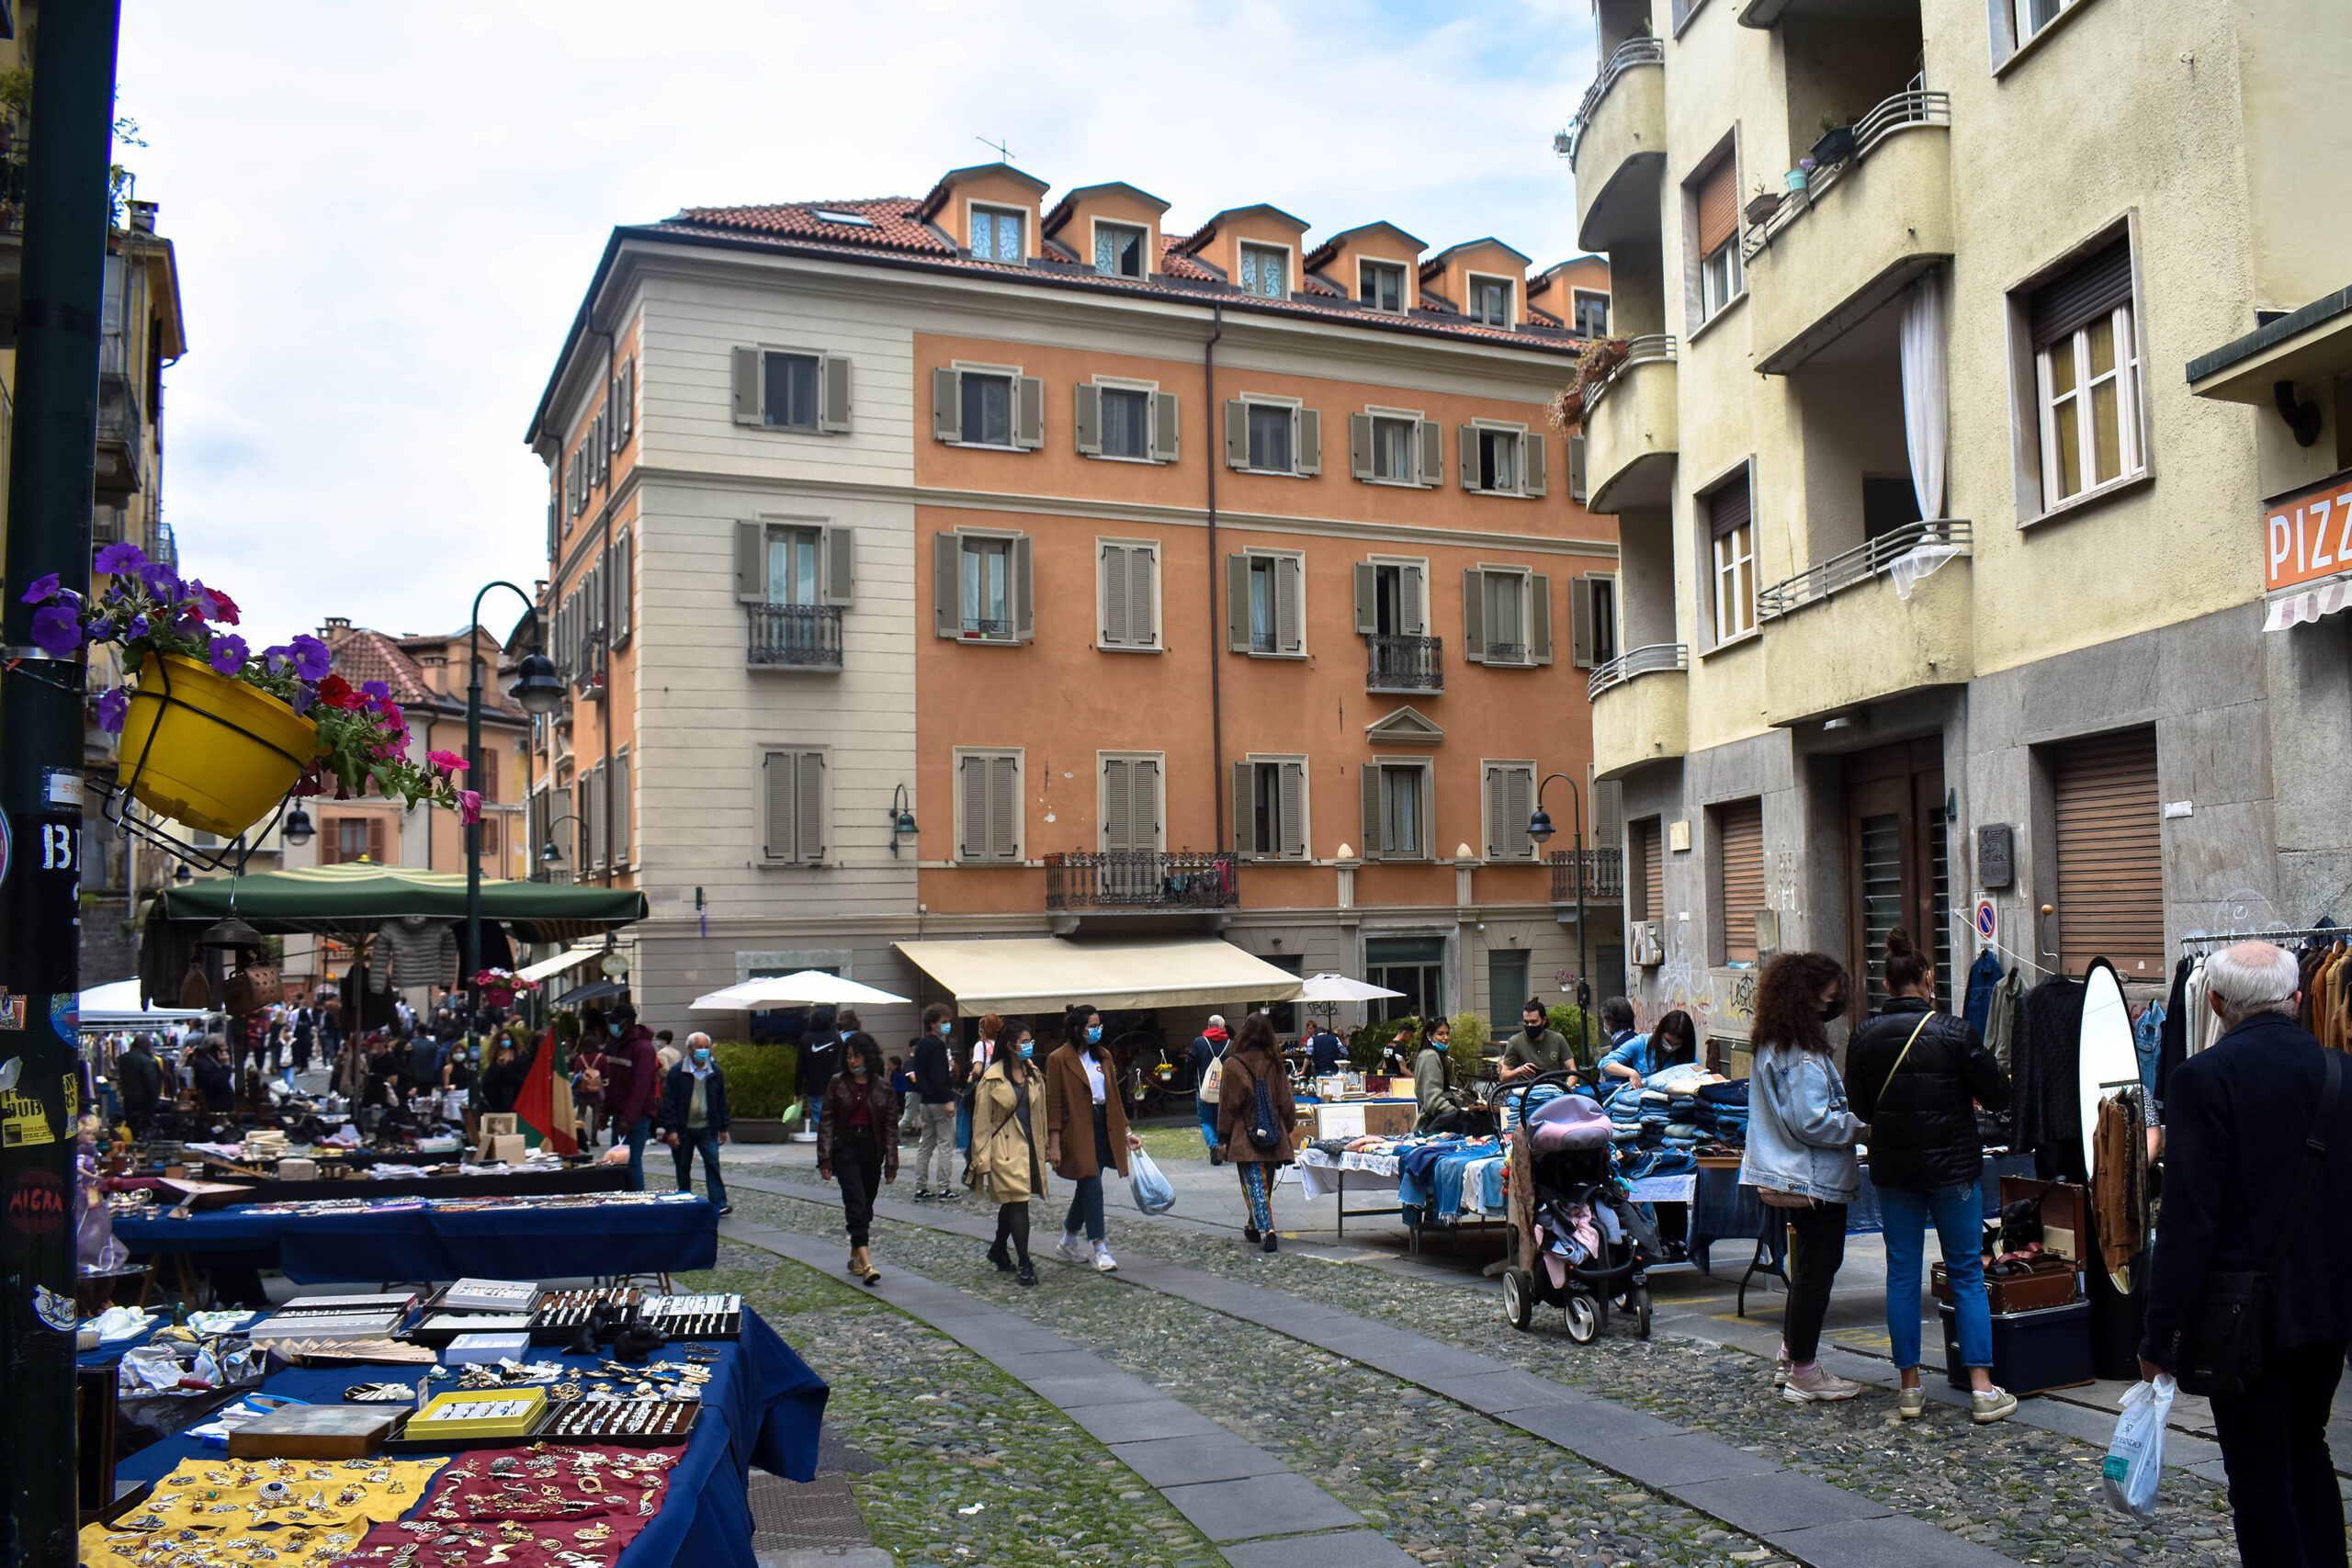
pixel 2048 1112
pixel 2004 1017
pixel 1923 1117
pixel 1982 976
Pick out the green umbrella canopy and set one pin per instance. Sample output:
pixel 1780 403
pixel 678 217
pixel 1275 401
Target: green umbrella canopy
pixel 328 899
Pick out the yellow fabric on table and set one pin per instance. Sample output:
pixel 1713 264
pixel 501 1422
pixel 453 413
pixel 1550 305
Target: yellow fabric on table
pixel 215 1498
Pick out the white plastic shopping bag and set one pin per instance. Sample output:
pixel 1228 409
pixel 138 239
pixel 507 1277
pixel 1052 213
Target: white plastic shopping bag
pixel 1154 1193
pixel 2135 1459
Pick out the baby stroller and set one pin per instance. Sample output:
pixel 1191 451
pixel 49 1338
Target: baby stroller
pixel 1583 1246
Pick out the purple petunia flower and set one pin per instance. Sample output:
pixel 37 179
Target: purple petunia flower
pixel 376 689
pixel 43 589
pixel 58 631
pixel 120 557
pixel 111 707
pixel 313 658
pixel 304 695
pixel 136 627
pixel 229 653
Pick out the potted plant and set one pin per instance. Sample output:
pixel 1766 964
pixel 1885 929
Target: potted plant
pixel 214 735
pixel 499 986
pixel 1802 175
pixel 1761 205
pixel 1837 144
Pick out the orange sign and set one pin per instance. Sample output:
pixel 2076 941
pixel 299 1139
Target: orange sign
pixel 2308 535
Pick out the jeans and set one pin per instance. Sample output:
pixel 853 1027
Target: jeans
pixel 857 1166
pixel 639 1130
pixel 706 1140
pixel 1086 1208
pixel 2283 1498
pixel 1815 1252
pixel 1957 1216
pixel 1208 1123
pixel 938 1146
pixel 1257 1191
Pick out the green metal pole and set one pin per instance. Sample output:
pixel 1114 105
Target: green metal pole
pixel 67 209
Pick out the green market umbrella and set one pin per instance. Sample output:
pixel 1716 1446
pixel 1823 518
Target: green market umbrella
pixel 325 899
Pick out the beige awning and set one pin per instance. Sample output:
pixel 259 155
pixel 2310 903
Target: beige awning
pixel 560 962
pixel 1029 975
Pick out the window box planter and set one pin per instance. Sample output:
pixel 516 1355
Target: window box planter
pixel 1836 145
pixel 1763 204
pixel 209 752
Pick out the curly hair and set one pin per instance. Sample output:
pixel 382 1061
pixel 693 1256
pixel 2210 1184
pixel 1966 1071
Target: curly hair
pixel 1256 1033
pixel 1788 1000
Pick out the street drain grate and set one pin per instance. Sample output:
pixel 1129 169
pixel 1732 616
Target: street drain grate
pixel 819 1513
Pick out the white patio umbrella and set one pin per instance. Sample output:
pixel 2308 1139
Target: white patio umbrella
pixel 1333 987
pixel 811 988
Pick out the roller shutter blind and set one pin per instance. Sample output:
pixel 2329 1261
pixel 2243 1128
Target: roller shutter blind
pixel 2081 295
pixel 2110 854
pixel 1718 205
pixel 1739 827
pixel 1647 886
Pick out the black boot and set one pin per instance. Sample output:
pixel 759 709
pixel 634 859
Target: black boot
pixel 997 1257
pixel 1249 1235
pixel 1269 1241
pixel 1027 1273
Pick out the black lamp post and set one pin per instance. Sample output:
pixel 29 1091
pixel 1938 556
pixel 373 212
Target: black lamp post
pixel 539 690
pixel 1540 829
pixel 548 853
pixel 297 828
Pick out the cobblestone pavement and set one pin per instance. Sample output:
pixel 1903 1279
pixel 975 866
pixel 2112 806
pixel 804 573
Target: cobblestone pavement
pixel 2030 1494
pixel 975 1469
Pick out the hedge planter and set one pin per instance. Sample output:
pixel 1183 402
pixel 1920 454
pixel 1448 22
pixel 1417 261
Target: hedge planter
pixel 209 752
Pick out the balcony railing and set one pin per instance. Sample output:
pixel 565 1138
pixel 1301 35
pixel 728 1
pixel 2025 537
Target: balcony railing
pixel 1400 663
pixel 1940 538
pixel 1632 53
pixel 1604 876
pixel 587 666
pixel 1141 879
pixel 1638 661
pixel 1648 349
pixel 796 637
pixel 1917 107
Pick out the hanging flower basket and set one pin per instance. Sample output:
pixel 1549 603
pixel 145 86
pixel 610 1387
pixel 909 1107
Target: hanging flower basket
pixel 210 751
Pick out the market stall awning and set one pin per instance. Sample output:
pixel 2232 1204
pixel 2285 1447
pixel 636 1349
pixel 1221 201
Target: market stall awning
pixel 1026 974
pixel 116 1005
pixel 560 963
pixel 329 898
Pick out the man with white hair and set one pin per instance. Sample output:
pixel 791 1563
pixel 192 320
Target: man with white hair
pixel 1208 1051
pixel 694 1116
pixel 2242 1117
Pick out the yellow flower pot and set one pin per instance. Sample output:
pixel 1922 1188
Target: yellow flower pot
pixel 215 754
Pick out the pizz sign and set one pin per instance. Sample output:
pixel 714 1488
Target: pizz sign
pixel 2308 535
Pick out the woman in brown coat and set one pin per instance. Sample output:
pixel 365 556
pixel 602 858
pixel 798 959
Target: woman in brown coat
pixel 857 1141
pixel 1254 1060
pixel 1086 1129
pixel 1005 1112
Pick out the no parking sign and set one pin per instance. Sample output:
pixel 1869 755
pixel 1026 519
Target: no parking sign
pixel 1988 922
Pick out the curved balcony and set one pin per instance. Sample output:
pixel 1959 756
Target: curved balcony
pixel 1887 618
pixel 1617 146
pixel 1865 227
pixel 1630 431
pixel 1641 708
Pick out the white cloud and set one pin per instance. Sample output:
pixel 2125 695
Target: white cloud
pixel 385 219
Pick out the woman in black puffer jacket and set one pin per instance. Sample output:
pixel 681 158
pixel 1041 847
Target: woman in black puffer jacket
pixel 1916 1075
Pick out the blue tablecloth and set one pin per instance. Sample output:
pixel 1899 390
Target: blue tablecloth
pixel 523 1241
pixel 762 1406
pixel 1724 1210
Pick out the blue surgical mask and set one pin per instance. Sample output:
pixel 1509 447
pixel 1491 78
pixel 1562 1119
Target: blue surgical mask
pixel 1028 1049
pixel 702 1057
pixel 945 1030
pixel 1095 1034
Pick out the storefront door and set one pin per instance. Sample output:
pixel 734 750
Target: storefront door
pixel 1898 864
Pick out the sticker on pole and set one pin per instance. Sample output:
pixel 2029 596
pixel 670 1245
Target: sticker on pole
pixel 1988 922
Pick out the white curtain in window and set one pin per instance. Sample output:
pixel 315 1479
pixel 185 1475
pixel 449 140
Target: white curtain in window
pixel 1926 422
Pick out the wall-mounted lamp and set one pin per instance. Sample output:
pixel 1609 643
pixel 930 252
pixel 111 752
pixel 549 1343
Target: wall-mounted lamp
pixel 902 819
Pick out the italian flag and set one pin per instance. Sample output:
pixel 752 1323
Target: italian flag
pixel 543 1108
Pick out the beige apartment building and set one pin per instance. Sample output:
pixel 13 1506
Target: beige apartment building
pixel 1949 486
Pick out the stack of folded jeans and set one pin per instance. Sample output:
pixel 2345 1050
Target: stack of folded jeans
pixel 1723 1112
pixel 1625 1116
pixel 1654 1117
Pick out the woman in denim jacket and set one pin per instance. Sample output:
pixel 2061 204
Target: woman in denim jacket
pixel 1801 1144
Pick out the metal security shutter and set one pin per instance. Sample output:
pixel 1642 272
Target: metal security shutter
pixel 1740 830
pixel 1718 205
pixel 2110 854
pixel 1647 883
pixel 2081 294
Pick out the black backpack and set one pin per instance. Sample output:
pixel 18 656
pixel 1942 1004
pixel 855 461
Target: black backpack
pixel 1265 1135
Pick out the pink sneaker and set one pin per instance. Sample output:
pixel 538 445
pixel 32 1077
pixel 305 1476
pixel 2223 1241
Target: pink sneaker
pixel 1816 1385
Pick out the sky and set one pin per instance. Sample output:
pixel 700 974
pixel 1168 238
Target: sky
pixel 385 216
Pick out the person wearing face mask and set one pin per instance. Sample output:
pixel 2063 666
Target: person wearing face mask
pixel 456 1085
pixel 1004 1150
pixel 1800 1158
pixel 935 1089
pixel 1086 1129
pixel 856 1143
pixel 633 1085
pixel 694 1116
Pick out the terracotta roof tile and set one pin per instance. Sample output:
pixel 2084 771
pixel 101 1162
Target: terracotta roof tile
pixel 894 226
pixel 363 655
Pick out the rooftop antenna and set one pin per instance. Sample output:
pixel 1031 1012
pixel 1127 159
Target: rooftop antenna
pixel 1002 151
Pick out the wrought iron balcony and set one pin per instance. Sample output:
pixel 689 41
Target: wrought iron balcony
pixel 794 636
pixel 1634 51
pixel 1400 663
pixel 1604 876
pixel 1906 553
pixel 1141 879
pixel 1901 112
pixel 1638 661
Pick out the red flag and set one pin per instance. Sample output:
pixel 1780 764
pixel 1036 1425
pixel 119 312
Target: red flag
pixel 543 1108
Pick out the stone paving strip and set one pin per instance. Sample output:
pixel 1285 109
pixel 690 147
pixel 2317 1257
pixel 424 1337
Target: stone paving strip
pixel 1795 1515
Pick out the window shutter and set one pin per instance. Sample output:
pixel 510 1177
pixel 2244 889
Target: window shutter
pixel 1496 809
pixel 1581 622
pixel 1025 590
pixel 809 800
pixel 1360 446
pixel 947 411
pixel 2108 817
pixel 1531 446
pixel 1539 618
pixel 488 782
pixel 947 586
pixel 1310 442
pixel 1245 816
pixel 1143 597
pixel 624 586
pixel 621 808
pixel 841 565
pixel 1728 507
pixel 1118 806
pixel 747 386
pixel 1608 812
pixel 1294 799
pixel 1143 782
pixel 1029 424
pixel 2081 295
pixel 1474 615
pixel 776 833
pixel 1289 609
pixel 629 396
pixel 974 835
pixel 1236 603
pixel 1111 560
pixel 1237 433
pixel 1416 622
pixel 834 398
pixel 1468 436
pixel 1432 469
pixel 600 815
pixel 1739 894
pixel 1718 205
pixel 1519 805
pixel 1375 845
pixel 1429 812
pixel 1166 422
pixel 1004 806
pixel 376 839
pixel 1577 489
pixel 1367 597
pixel 1088 422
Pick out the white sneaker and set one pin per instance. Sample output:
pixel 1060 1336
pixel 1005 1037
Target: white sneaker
pixel 1781 1368
pixel 1104 1261
pixel 1072 1249
pixel 1818 1386
pixel 1910 1403
pixel 1993 1405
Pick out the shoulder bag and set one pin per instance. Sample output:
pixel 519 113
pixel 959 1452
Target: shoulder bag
pixel 1212 1080
pixel 2224 1345
pixel 1265 1132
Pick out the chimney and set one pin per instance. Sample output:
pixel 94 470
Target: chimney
pixel 143 216
pixel 334 627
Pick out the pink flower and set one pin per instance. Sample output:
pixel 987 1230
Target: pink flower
pixel 469 806
pixel 447 761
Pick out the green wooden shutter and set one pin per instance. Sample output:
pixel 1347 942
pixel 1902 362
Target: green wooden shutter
pixel 1236 603
pixel 1310 442
pixel 834 401
pixel 776 833
pixel 1245 825
pixel 1143 784
pixel 1432 453
pixel 752 562
pixel 1004 807
pixel 1376 843
pixel 1367 597
pixel 947 585
pixel 1237 433
pixel 746 389
pixel 1416 597
pixel 1294 800
pixel 1531 446
pixel 1581 622
pixel 1576 487
pixel 1089 420
pixel 1118 831
pixel 1029 419
pixel 1143 597
pixel 1519 796
pixel 947 404
pixel 808 793
pixel 1495 809
pixel 1474 615
pixel 972 773
pixel 1539 618
pixel 841 565
pixel 1111 562
pixel 1025 590
pixel 1466 436
pixel 1167 426
pixel 1290 606
pixel 1360 446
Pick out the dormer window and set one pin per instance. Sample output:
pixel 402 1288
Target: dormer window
pixel 1380 285
pixel 1118 250
pixel 1591 314
pixel 1490 300
pixel 996 235
pixel 1265 271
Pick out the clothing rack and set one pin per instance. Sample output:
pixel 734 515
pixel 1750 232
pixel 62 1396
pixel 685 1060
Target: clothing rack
pixel 2216 938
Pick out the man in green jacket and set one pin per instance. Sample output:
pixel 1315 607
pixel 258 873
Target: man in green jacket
pixel 1538 1048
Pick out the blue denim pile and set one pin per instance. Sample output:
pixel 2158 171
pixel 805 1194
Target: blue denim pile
pixel 1722 1112
pixel 1634 1164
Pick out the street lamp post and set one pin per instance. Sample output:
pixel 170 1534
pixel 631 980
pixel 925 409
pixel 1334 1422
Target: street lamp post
pixel 548 853
pixel 1539 827
pixel 539 690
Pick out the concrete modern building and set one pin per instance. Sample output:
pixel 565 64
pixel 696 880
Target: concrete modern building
pixel 984 564
pixel 1942 581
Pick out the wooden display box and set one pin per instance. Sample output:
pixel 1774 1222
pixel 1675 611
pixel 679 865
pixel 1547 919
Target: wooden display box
pixel 314 1431
pixel 2066 1209
pixel 2028 1292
